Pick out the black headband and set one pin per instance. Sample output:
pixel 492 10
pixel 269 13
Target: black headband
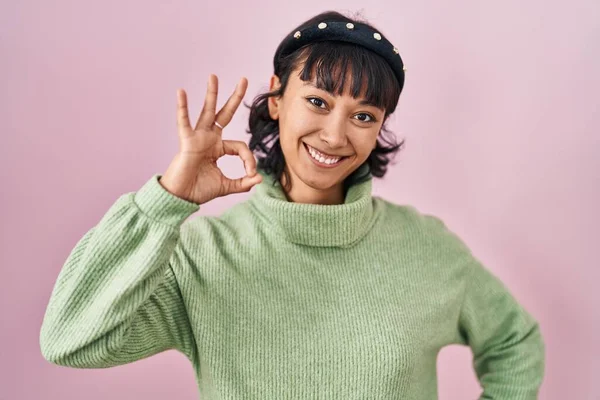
pixel 356 33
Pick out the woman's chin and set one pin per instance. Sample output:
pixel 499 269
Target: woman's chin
pixel 321 180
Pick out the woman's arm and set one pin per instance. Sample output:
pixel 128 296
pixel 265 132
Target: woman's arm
pixel 508 349
pixel 116 299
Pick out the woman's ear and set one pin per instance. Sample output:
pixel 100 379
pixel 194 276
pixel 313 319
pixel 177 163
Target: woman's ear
pixel 273 102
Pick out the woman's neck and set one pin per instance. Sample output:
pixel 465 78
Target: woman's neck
pixel 300 192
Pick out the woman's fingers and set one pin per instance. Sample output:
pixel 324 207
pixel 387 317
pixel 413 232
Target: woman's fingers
pixel 243 184
pixel 225 115
pixel 183 120
pixel 207 115
pixel 239 148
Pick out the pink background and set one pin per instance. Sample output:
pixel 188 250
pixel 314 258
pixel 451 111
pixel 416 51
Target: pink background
pixel 499 114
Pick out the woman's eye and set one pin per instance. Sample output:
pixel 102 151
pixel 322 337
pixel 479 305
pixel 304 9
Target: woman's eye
pixel 319 103
pixel 372 119
pixel 315 101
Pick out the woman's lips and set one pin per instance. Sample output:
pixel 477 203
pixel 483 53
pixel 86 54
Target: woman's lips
pixel 321 164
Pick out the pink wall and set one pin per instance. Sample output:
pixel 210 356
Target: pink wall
pixel 499 114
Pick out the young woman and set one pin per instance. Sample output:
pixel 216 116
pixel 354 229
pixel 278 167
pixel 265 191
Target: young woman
pixel 312 288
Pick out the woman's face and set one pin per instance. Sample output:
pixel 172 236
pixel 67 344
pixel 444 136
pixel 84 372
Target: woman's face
pixel 324 137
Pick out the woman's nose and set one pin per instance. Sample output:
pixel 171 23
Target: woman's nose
pixel 334 132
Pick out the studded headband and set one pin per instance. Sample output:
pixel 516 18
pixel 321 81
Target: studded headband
pixel 357 33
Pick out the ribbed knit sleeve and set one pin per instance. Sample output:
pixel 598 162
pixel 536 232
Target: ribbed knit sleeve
pixel 508 349
pixel 116 299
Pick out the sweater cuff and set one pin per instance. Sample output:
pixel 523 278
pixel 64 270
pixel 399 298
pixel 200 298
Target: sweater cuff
pixel 161 205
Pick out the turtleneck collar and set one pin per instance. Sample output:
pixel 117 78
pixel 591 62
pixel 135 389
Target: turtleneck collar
pixel 320 225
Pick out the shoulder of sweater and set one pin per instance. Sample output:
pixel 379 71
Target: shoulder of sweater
pixel 431 226
pixel 411 215
pixel 230 223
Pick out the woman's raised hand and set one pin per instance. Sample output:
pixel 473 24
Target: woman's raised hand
pixel 193 174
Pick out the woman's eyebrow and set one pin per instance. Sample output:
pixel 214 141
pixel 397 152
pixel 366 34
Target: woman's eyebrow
pixel 363 102
pixel 312 84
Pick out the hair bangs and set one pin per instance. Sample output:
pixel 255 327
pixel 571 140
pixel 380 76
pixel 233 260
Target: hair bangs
pixel 340 67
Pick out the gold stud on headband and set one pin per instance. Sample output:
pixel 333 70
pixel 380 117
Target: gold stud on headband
pixel 297 35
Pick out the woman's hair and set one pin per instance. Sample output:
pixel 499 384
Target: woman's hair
pixel 330 61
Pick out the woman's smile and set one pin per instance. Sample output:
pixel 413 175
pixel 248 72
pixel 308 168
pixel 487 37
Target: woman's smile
pixel 321 159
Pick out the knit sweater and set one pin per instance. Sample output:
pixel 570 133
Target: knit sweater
pixel 280 300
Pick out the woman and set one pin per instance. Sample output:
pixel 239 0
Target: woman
pixel 312 288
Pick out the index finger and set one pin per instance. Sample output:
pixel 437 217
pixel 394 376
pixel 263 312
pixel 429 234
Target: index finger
pixel 241 149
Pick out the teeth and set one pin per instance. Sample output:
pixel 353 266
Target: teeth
pixel 321 158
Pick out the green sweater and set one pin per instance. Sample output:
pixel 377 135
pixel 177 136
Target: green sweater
pixel 281 300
